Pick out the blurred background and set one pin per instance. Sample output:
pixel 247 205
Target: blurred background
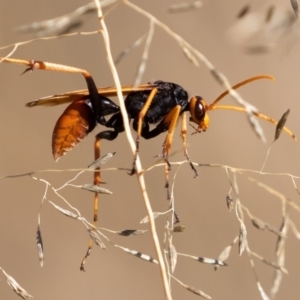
pixel 241 39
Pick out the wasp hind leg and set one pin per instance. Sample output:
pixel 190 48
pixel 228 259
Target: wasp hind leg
pixel 97 181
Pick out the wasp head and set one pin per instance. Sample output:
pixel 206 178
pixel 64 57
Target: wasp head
pixel 199 116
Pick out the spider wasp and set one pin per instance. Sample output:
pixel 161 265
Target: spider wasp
pixel 159 103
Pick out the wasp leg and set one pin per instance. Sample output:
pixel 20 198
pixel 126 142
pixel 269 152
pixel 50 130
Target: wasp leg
pixel 97 181
pixel 183 136
pixel 171 119
pixel 115 122
pixel 168 123
pixel 140 122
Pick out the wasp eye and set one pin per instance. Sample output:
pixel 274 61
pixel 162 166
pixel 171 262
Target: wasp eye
pixel 197 108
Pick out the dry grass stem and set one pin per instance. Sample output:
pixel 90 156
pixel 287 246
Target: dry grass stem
pixel 133 149
pixel 143 63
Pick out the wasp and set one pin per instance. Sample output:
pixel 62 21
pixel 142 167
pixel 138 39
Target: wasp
pixel 153 108
pixel 159 103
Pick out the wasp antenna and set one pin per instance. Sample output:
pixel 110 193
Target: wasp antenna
pixel 259 115
pixel 210 107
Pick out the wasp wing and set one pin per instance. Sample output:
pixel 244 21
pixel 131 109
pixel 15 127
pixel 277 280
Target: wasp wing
pixel 68 97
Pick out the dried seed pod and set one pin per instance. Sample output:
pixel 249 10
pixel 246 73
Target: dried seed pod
pixel 129 232
pixel 172 257
pixel 16 287
pixel 66 212
pixel 95 189
pixel 96 238
pixel 102 160
pixel 39 243
pixel 179 228
pixel 139 255
pixel 259 224
pixel 242 238
pixel 229 202
pixel 146 219
pixel 281 124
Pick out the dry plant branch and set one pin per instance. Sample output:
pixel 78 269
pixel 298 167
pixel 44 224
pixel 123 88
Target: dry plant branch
pixel 220 261
pixel 133 149
pixel 16 287
pixel 65 23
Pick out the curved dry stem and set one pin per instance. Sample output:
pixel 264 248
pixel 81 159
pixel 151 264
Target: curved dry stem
pixel 133 149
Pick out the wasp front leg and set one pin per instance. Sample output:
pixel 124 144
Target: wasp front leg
pixel 171 119
pixel 138 124
pixel 168 123
pixel 183 136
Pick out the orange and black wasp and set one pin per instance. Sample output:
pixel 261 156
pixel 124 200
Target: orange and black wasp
pixel 159 103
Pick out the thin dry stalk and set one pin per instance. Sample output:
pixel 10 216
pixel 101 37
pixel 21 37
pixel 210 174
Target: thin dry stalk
pixel 142 66
pixel 133 149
